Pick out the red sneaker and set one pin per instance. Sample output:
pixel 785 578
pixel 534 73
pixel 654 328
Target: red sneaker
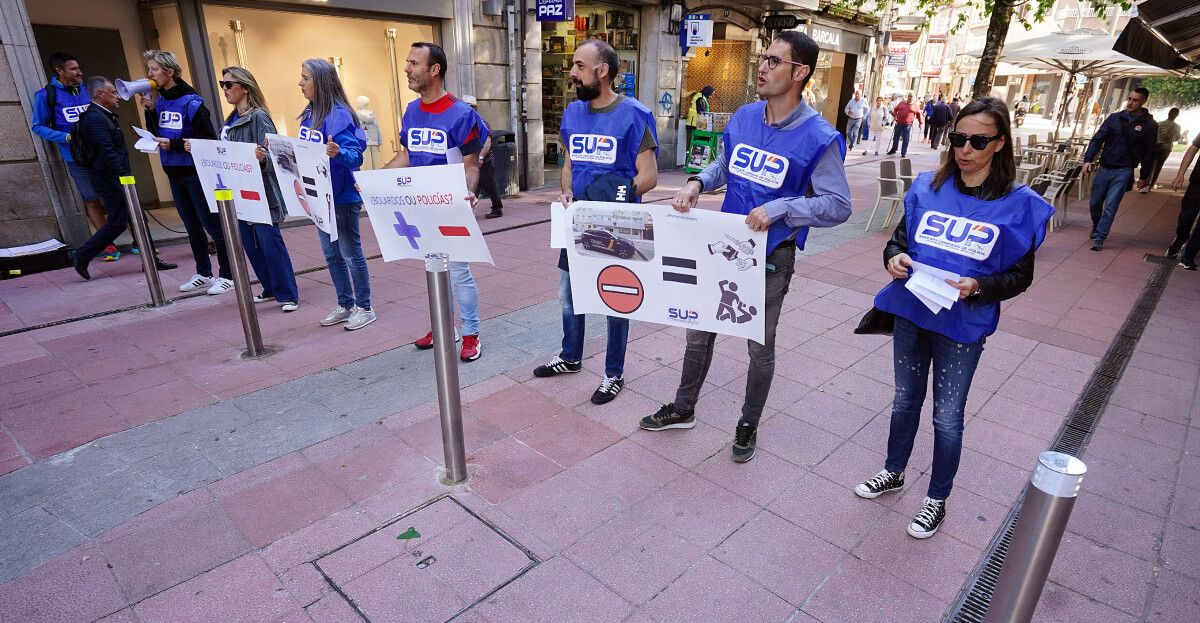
pixel 470 348
pixel 426 342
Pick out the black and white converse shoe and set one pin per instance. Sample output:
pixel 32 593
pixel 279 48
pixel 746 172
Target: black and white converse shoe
pixel 926 523
pixel 880 484
pixel 556 366
pixel 609 388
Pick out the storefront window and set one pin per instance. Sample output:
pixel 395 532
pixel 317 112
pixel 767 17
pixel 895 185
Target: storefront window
pixel 823 88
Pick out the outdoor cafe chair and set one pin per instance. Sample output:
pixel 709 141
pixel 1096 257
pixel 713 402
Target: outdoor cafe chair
pixel 906 173
pixel 891 189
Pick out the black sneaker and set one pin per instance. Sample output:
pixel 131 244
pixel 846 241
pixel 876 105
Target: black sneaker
pixel 1187 265
pixel 1097 245
pixel 926 523
pixel 555 366
pixel 743 442
pixel 880 484
pixel 668 417
pixel 1174 249
pixel 609 388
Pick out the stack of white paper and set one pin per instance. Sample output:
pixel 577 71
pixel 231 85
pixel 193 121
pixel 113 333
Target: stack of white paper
pixel 929 285
pixel 148 143
pixel 32 249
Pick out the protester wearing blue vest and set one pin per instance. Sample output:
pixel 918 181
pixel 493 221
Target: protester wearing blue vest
pixel 627 127
pixel 56 108
pixel 329 119
pixel 176 114
pixel 810 190
pixel 971 219
pixel 441 129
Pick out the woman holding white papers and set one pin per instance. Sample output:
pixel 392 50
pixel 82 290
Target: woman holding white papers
pixel 250 122
pixel 971 222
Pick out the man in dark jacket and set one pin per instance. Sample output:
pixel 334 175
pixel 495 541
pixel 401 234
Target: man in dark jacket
pixel 938 120
pixel 107 162
pixel 1128 139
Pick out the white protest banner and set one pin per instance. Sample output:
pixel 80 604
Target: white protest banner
pixel 302 168
pixel 558 226
pixel 700 270
pixel 232 166
pixel 422 210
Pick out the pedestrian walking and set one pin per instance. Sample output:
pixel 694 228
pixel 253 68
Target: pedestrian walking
pixel 250 122
pixel 811 192
pixel 904 115
pixel 1168 134
pixel 928 110
pixel 630 127
pixel 856 110
pixel 176 112
pixel 329 119
pixel 938 120
pixel 1006 222
pixel 487 168
pixel 955 106
pixel 99 147
pixel 439 112
pixel 1127 138
pixel 879 118
pixel 1186 244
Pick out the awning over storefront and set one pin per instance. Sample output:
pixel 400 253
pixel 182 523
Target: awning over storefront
pixel 1165 33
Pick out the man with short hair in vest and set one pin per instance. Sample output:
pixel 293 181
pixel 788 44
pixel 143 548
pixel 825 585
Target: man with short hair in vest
pixel 56 109
pixel 610 142
pixel 439 128
pixel 807 188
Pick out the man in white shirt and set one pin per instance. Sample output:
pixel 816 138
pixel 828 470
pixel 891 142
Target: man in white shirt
pixel 856 110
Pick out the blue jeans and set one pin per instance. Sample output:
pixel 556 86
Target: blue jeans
pixel 462 286
pixel 1108 187
pixel 853 132
pixel 345 258
pixel 573 329
pixel 269 257
pixel 901 133
pixel 913 348
pixel 193 211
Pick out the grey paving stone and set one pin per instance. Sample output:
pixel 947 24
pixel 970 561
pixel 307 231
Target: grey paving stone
pixel 31 538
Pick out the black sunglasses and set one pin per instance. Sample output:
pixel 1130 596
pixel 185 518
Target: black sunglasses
pixel 227 84
pixel 978 141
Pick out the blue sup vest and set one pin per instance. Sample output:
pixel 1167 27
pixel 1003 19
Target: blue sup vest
pixel 337 121
pixel 67 108
pixel 607 143
pixel 175 121
pixel 969 237
pixel 433 138
pixel 766 163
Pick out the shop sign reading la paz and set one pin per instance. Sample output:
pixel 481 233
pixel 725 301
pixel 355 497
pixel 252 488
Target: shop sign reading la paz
pixel 555 10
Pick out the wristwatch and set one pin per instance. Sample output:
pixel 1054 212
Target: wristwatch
pixel 696 178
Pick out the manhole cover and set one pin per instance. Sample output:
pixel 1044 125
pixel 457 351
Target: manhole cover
pixel 431 564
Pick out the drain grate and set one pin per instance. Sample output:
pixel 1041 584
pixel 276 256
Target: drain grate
pixel 1072 438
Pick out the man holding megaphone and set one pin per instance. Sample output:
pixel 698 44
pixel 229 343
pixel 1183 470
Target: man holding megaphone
pixel 173 113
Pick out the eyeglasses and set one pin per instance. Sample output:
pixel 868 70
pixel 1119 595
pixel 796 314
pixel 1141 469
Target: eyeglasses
pixel 774 61
pixel 227 84
pixel 978 141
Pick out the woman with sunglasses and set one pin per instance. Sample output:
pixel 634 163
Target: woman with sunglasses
pixel 329 119
pixel 968 218
pixel 250 122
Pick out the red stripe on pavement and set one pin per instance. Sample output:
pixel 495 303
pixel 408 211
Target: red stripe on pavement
pixel 447 230
pixel 251 195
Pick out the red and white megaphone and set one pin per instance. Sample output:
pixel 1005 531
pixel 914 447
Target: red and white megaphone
pixel 127 89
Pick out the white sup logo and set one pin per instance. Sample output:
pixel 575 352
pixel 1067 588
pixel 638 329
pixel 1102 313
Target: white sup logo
pixel 71 113
pixel 597 148
pixel 170 120
pixel 758 166
pixel 309 134
pixel 428 140
pixel 973 239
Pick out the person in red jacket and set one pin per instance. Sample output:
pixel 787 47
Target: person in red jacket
pixel 905 113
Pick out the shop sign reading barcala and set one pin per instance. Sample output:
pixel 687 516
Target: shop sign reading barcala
pixel 555 10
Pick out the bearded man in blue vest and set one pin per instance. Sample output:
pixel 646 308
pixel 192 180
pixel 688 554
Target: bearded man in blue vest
pixel 611 143
pixel 810 191
pixel 439 128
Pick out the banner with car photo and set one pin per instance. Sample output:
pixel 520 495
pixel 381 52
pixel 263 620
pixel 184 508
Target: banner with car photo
pixel 699 270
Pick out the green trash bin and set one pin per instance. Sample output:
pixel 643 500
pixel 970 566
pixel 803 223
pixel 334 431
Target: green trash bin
pixel 702 150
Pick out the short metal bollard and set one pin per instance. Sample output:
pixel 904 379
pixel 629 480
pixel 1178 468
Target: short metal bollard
pixel 1044 514
pixel 141 237
pixel 441 316
pixel 241 277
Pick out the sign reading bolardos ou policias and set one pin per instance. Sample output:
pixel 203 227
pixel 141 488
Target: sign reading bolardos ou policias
pixel 555 10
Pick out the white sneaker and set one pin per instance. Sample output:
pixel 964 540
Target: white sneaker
pixel 290 307
pixel 220 285
pixel 196 282
pixel 339 314
pixel 360 318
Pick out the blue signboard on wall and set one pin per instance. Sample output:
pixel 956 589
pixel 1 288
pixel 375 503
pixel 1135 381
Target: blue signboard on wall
pixel 555 10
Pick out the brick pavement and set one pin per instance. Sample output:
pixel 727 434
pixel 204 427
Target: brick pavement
pixel 229 490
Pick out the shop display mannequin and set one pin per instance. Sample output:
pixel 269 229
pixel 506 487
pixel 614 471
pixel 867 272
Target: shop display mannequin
pixel 374 138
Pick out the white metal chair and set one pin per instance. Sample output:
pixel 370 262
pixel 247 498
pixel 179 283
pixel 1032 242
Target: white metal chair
pixel 906 174
pixel 1056 186
pixel 891 189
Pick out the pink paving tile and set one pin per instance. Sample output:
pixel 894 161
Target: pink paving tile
pixel 842 518
pixel 63 431
pixel 15 372
pixel 638 565
pixel 31 388
pixel 515 408
pixel 766 550
pixel 75 586
pixel 305 584
pixel 711 591
pixel 279 505
pixel 172 547
pixel 1063 605
pixel 1140 490
pixel 623 414
pixel 506 468
pixel 1185 505
pixel 568 438
pixel 473 559
pixel 991 478
pixel 124 616
pixel 374 460
pixel 1133 453
pixel 860 390
pixel 908 559
pixel 562 508
pixel 1174 407
pixel 1177 598
pixel 1181 549
pixel 759 481
pixel 1036 394
pixel 317 539
pixel 799 442
pixel 1106 575
pixel 1002 443
pixel 1114 525
pixel 685 447
pixel 845 597
pixel 425 435
pixel 332 609
pixel 1037 422
pixel 626 471
pixel 241 590
pixel 556 590
pixel 1156 430
pixel 156 403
